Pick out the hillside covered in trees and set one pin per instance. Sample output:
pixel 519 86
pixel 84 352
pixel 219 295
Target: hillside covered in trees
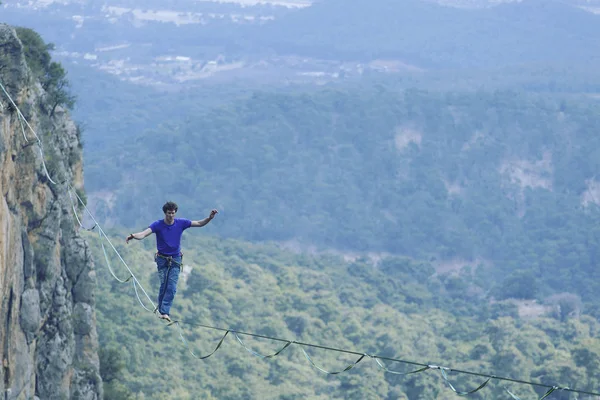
pixel 505 179
pixel 399 308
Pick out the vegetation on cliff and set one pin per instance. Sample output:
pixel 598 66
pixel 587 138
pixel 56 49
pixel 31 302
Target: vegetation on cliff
pixel 50 74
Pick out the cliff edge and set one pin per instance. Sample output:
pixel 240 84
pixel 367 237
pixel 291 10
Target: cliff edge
pixel 48 339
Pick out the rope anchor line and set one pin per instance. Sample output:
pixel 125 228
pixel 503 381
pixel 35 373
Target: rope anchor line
pixel 137 286
pixel 424 367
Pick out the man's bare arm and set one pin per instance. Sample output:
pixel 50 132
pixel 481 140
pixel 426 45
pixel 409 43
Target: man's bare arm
pixel 202 222
pixel 140 235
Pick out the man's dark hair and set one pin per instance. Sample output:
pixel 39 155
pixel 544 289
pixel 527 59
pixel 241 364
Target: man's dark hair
pixel 169 206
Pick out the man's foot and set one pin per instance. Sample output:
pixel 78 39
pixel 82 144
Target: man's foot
pixel 165 317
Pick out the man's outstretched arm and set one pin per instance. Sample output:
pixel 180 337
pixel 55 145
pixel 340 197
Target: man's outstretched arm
pixel 139 236
pixel 202 222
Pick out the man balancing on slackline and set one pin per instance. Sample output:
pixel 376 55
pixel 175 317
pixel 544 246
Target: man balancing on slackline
pixel 168 256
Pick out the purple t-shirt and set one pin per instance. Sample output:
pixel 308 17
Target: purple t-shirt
pixel 168 237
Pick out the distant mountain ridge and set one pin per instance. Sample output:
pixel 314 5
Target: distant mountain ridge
pixel 434 36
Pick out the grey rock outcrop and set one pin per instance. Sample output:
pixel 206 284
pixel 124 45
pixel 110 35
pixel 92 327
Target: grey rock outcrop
pixel 48 339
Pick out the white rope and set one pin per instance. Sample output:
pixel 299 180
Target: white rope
pixel 22 127
pixel 44 163
pixel 75 210
pixel 349 367
pixel 108 262
pixel 39 142
pixel 19 112
pixel 187 344
pixel 384 368
pixel 137 294
pixel 113 247
pixel 249 350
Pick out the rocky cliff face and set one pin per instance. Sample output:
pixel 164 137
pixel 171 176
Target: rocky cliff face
pixel 48 340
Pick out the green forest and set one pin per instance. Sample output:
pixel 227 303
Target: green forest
pixel 502 177
pixel 398 308
pixel 472 213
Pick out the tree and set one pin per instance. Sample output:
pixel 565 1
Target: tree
pixel 55 84
pixel 520 284
pixel 111 367
pixel 51 74
pixel 111 364
pixel 37 52
pixel 565 305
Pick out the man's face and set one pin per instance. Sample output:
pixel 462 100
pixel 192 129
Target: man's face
pixel 170 216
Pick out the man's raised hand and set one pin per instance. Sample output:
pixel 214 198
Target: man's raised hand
pixel 213 213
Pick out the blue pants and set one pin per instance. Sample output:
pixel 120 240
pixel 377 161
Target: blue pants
pixel 168 272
